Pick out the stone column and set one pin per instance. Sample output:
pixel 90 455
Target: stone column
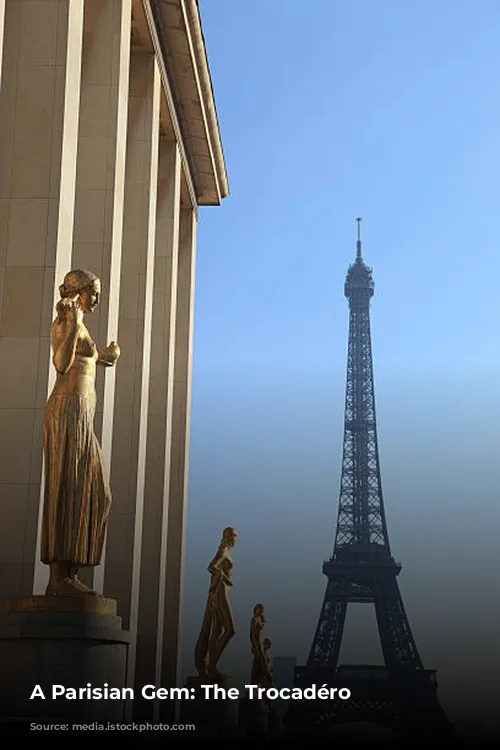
pixel 159 435
pixel 98 204
pixel 179 457
pixel 2 18
pixel 39 104
pixel 123 552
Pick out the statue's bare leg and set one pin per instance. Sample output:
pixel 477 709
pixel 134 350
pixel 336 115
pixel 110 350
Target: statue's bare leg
pixel 201 648
pixel 58 572
pixel 225 617
pixel 255 672
pixel 217 631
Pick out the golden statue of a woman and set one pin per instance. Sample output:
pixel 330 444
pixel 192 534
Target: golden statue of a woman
pixel 218 624
pixel 77 496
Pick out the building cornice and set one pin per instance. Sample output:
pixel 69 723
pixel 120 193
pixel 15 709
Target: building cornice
pixel 200 52
pixel 182 47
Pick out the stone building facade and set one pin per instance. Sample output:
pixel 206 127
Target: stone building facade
pixel 109 143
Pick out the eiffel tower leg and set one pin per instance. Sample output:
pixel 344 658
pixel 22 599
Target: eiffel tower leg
pixel 398 645
pixel 326 644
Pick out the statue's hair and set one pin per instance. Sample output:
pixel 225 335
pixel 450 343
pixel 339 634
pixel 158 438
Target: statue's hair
pixel 226 534
pixel 76 281
pixel 257 606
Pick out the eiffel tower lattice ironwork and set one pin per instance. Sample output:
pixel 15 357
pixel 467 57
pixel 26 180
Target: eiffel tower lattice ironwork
pixel 401 694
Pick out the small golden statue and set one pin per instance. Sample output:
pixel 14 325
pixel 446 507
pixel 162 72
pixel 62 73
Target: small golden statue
pixel 77 497
pixel 218 624
pixel 262 673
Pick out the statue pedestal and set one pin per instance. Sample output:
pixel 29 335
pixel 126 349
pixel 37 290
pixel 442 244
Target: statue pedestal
pixel 259 719
pixel 213 716
pixel 254 718
pixel 61 640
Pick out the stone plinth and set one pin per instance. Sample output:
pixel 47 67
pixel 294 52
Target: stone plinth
pixel 259 719
pixel 212 716
pixel 254 717
pixel 69 641
pixel 92 605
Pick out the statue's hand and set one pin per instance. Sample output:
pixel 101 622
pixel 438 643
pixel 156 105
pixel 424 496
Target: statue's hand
pixel 69 307
pixel 111 353
pixel 114 350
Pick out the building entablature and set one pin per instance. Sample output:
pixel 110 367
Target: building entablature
pixel 172 30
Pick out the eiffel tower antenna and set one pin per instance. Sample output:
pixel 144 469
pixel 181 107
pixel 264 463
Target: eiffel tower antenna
pixel 359 254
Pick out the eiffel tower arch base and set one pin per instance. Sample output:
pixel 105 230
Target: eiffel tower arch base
pixel 406 704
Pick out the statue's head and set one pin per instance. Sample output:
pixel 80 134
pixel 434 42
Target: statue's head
pixel 229 536
pixel 258 611
pixel 266 643
pixel 82 284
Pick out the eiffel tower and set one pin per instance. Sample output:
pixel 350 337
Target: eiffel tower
pixel 401 694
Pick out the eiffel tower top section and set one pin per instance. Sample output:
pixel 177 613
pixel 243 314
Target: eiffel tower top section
pixel 359 285
pixel 361 534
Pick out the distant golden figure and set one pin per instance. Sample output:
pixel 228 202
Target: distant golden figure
pixel 261 674
pixel 77 495
pixel 218 624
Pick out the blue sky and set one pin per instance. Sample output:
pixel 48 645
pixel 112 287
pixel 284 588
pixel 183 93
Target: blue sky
pixel 331 110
